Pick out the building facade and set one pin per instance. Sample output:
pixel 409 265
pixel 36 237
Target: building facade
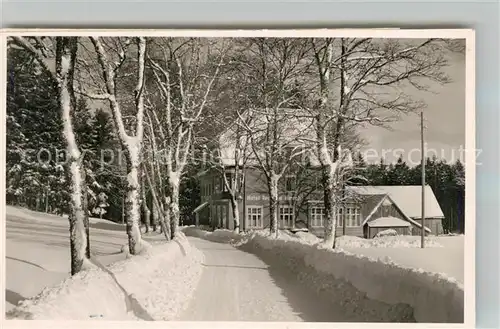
pixel 366 210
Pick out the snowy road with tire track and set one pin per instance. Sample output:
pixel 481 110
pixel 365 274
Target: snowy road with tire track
pixel 239 286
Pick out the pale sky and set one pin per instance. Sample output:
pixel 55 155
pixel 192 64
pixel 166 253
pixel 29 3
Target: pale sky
pixel 445 124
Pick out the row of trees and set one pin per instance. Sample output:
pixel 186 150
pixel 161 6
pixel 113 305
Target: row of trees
pixel 314 95
pixel 36 154
pixel 165 98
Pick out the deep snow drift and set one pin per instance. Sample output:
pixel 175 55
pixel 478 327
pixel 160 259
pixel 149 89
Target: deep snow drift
pixel 155 285
pixel 365 288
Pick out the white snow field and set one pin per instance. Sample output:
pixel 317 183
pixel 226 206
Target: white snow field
pixel 156 285
pixel 353 287
pixel 442 254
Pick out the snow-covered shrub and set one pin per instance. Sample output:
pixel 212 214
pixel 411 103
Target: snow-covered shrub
pixel 388 232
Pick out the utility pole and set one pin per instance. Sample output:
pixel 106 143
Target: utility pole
pixel 422 229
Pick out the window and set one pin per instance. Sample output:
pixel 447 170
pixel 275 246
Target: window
pixel 254 217
pixel 340 218
pixel 213 215
pixel 217 185
pixel 206 189
pixel 224 216
pixel 286 216
pixel 352 216
pixel 290 183
pixel 218 216
pixel 317 216
pixel 221 216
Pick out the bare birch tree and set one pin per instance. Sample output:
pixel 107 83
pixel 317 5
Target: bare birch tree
pixel 132 143
pixel 154 171
pixel 233 151
pixel 65 58
pixel 144 201
pixel 270 70
pixel 185 71
pixel 365 81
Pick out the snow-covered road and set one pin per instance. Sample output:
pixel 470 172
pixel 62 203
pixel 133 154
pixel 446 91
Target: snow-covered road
pixel 239 286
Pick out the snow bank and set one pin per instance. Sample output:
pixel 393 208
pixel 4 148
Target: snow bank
pixel 308 238
pixel 221 236
pixel 388 232
pixel 155 285
pixel 367 287
pixel 386 241
pixel 87 295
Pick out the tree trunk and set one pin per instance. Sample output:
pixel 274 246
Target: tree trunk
pixel 155 215
pixel 159 210
pixel 132 203
pixel 165 219
pixel 145 208
pixel 66 49
pixel 236 213
pixel 78 236
pixel 86 221
pixel 328 168
pixel 330 206
pixel 174 204
pixel 47 200
pixel 123 210
pixel 273 204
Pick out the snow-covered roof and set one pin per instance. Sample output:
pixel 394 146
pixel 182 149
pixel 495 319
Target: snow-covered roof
pixel 388 222
pixel 295 130
pixel 408 198
pixel 388 198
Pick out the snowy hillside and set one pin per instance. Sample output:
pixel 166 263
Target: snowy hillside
pixel 37 261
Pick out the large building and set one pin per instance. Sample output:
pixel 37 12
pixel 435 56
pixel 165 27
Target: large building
pixel 364 212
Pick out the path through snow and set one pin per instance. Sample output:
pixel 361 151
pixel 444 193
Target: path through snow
pixel 239 286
